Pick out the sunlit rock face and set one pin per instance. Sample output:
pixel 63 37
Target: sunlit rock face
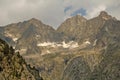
pixel 77 69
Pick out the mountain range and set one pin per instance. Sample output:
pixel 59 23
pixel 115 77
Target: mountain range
pixel 23 36
pixel 79 49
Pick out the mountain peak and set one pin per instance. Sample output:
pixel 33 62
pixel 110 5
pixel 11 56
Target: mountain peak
pixel 34 20
pixel 76 19
pixel 79 17
pixel 104 15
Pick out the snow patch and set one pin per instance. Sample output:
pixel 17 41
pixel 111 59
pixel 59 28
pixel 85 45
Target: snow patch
pixel 15 39
pixel 105 18
pixel 95 42
pixel 23 50
pixel 11 36
pixel 8 34
pixel 63 44
pixel 13 47
pixel 45 52
pixel 48 51
pixel 46 44
pixel 74 45
pixel 37 36
pixel 87 42
pixel 70 44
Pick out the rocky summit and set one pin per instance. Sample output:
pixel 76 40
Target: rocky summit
pixel 79 49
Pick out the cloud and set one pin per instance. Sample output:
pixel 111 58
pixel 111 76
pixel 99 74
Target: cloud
pixel 50 12
pixel 95 11
pixel 67 8
pixel 93 7
pixel 80 11
pixel 54 12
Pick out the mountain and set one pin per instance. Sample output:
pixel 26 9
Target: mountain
pixel 80 29
pixel 25 35
pixel 13 66
pixel 35 33
pixel 73 27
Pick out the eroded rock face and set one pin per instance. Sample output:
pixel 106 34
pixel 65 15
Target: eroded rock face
pixel 13 66
pixel 107 69
pixel 77 69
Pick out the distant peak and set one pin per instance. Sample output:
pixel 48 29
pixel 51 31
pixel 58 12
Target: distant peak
pixel 79 17
pixel 34 21
pixel 105 15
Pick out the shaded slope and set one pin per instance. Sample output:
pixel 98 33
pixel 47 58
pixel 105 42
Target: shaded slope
pixel 13 66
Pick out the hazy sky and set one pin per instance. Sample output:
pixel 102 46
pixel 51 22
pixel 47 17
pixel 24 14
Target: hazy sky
pixel 54 12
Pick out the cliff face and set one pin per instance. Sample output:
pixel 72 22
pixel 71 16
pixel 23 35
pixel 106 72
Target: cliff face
pixel 13 66
pixel 77 69
pixel 107 67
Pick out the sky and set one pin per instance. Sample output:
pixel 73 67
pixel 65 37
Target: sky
pixel 54 12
